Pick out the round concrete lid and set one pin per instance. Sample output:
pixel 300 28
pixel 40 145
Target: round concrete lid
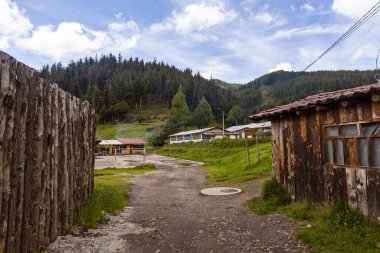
pixel 220 191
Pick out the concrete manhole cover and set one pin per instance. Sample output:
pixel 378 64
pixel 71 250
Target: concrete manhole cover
pixel 220 191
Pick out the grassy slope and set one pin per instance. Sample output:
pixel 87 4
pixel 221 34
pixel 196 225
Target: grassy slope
pixel 110 194
pixel 225 159
pixel 123 131
pixel 150 117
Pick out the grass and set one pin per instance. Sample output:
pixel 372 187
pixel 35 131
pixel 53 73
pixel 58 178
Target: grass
pixel 110 194
pixel 272 197
pixel 334 228
pixel 139 123
pixel 109 131
pixel 225 159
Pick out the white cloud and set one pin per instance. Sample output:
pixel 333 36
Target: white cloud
pixel 4 44
pixel 309 30
pixel 196 17
pixel 367 50
pixel 307 7
pixel 292 8
pixel 70 39
pixel 13 23
pixel 66 39
pixel 264 17
pixel 286 66
pixel 353 8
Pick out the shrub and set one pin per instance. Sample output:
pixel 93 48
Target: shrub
pixel 272 197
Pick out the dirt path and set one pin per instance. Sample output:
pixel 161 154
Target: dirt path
pixel 168 214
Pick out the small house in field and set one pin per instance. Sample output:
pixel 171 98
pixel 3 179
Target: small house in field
pixel 250 130
pixel 326 147
pixel 198 135
pixel 108 147
pixel 132 146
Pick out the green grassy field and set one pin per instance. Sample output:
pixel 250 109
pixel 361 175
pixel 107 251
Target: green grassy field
pixel 110 194
pixel 144 121
pixel 225 159
pixel 109 131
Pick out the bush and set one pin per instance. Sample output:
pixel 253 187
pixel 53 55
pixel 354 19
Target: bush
pixel 273 196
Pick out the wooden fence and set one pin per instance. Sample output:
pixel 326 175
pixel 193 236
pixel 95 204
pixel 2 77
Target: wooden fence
pixel 47 139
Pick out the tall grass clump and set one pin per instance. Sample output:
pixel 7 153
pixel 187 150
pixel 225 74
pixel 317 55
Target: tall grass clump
pixel 273 196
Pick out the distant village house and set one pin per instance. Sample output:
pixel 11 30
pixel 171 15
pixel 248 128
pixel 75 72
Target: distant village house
pixel 326 147
pixel 198 135
pixel 122 146
pixel 251 130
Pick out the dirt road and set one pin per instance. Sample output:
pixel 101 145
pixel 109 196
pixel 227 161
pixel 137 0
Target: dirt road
pixel 168 214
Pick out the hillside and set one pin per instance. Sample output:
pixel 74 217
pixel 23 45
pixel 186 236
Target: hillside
pixel 127 90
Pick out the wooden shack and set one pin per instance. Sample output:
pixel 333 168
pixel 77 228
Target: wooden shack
pixel 132 146
pixel 326 147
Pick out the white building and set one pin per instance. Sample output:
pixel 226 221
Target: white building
pixel 246 131
pixel 198 135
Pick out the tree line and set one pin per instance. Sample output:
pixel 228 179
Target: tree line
pixel 115 85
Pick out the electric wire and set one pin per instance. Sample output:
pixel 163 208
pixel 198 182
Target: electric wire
pixel 375 9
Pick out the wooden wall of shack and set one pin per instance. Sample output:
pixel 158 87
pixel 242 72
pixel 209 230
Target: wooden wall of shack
pixel 47 139
pixel 299 157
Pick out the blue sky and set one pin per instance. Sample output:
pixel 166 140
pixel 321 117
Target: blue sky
pixel 236 41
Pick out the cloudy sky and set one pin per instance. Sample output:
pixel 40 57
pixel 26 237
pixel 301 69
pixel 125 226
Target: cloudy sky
pixel 235 40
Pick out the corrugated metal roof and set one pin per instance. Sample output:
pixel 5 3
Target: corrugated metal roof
pixel 110 142
pixel 318 100
pixel 197 131
pixel 131 141
pixel 249 126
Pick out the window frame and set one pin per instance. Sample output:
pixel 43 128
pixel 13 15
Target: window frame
pixel 346 156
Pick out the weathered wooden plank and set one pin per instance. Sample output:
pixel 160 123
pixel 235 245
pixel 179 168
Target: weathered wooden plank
pixel 37 169
pixel 351 188
pixel 361 188
pixel 378 196
pixel 364 111
pixel 54 165
pixel 30 164
pixel 343 114
pixel 17 160
pixel 375 106
pixel 371 194
pixel 8 90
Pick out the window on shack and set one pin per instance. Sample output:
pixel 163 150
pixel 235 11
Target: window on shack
pixel 353 145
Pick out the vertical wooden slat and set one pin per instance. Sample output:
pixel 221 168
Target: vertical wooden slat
pixel 351 188
pixel 371 194
pixel 361 180
pixel 44 236
pixel 24 74
pixel 54 164
pixel 30 164
pixel 8 91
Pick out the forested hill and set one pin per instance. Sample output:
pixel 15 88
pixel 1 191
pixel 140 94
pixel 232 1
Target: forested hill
pixel 283 87
pixel 114 84
pixel 111 80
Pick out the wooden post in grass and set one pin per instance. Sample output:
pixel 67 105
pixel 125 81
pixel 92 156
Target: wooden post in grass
pixel 247 147
pixel 258 148
pixel 144 156
pixel 115 156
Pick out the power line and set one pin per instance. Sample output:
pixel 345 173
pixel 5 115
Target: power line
pixel 375 9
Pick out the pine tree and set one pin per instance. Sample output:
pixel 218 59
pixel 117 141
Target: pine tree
pixel 234 115
pixel 202 116
pixel 179 113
